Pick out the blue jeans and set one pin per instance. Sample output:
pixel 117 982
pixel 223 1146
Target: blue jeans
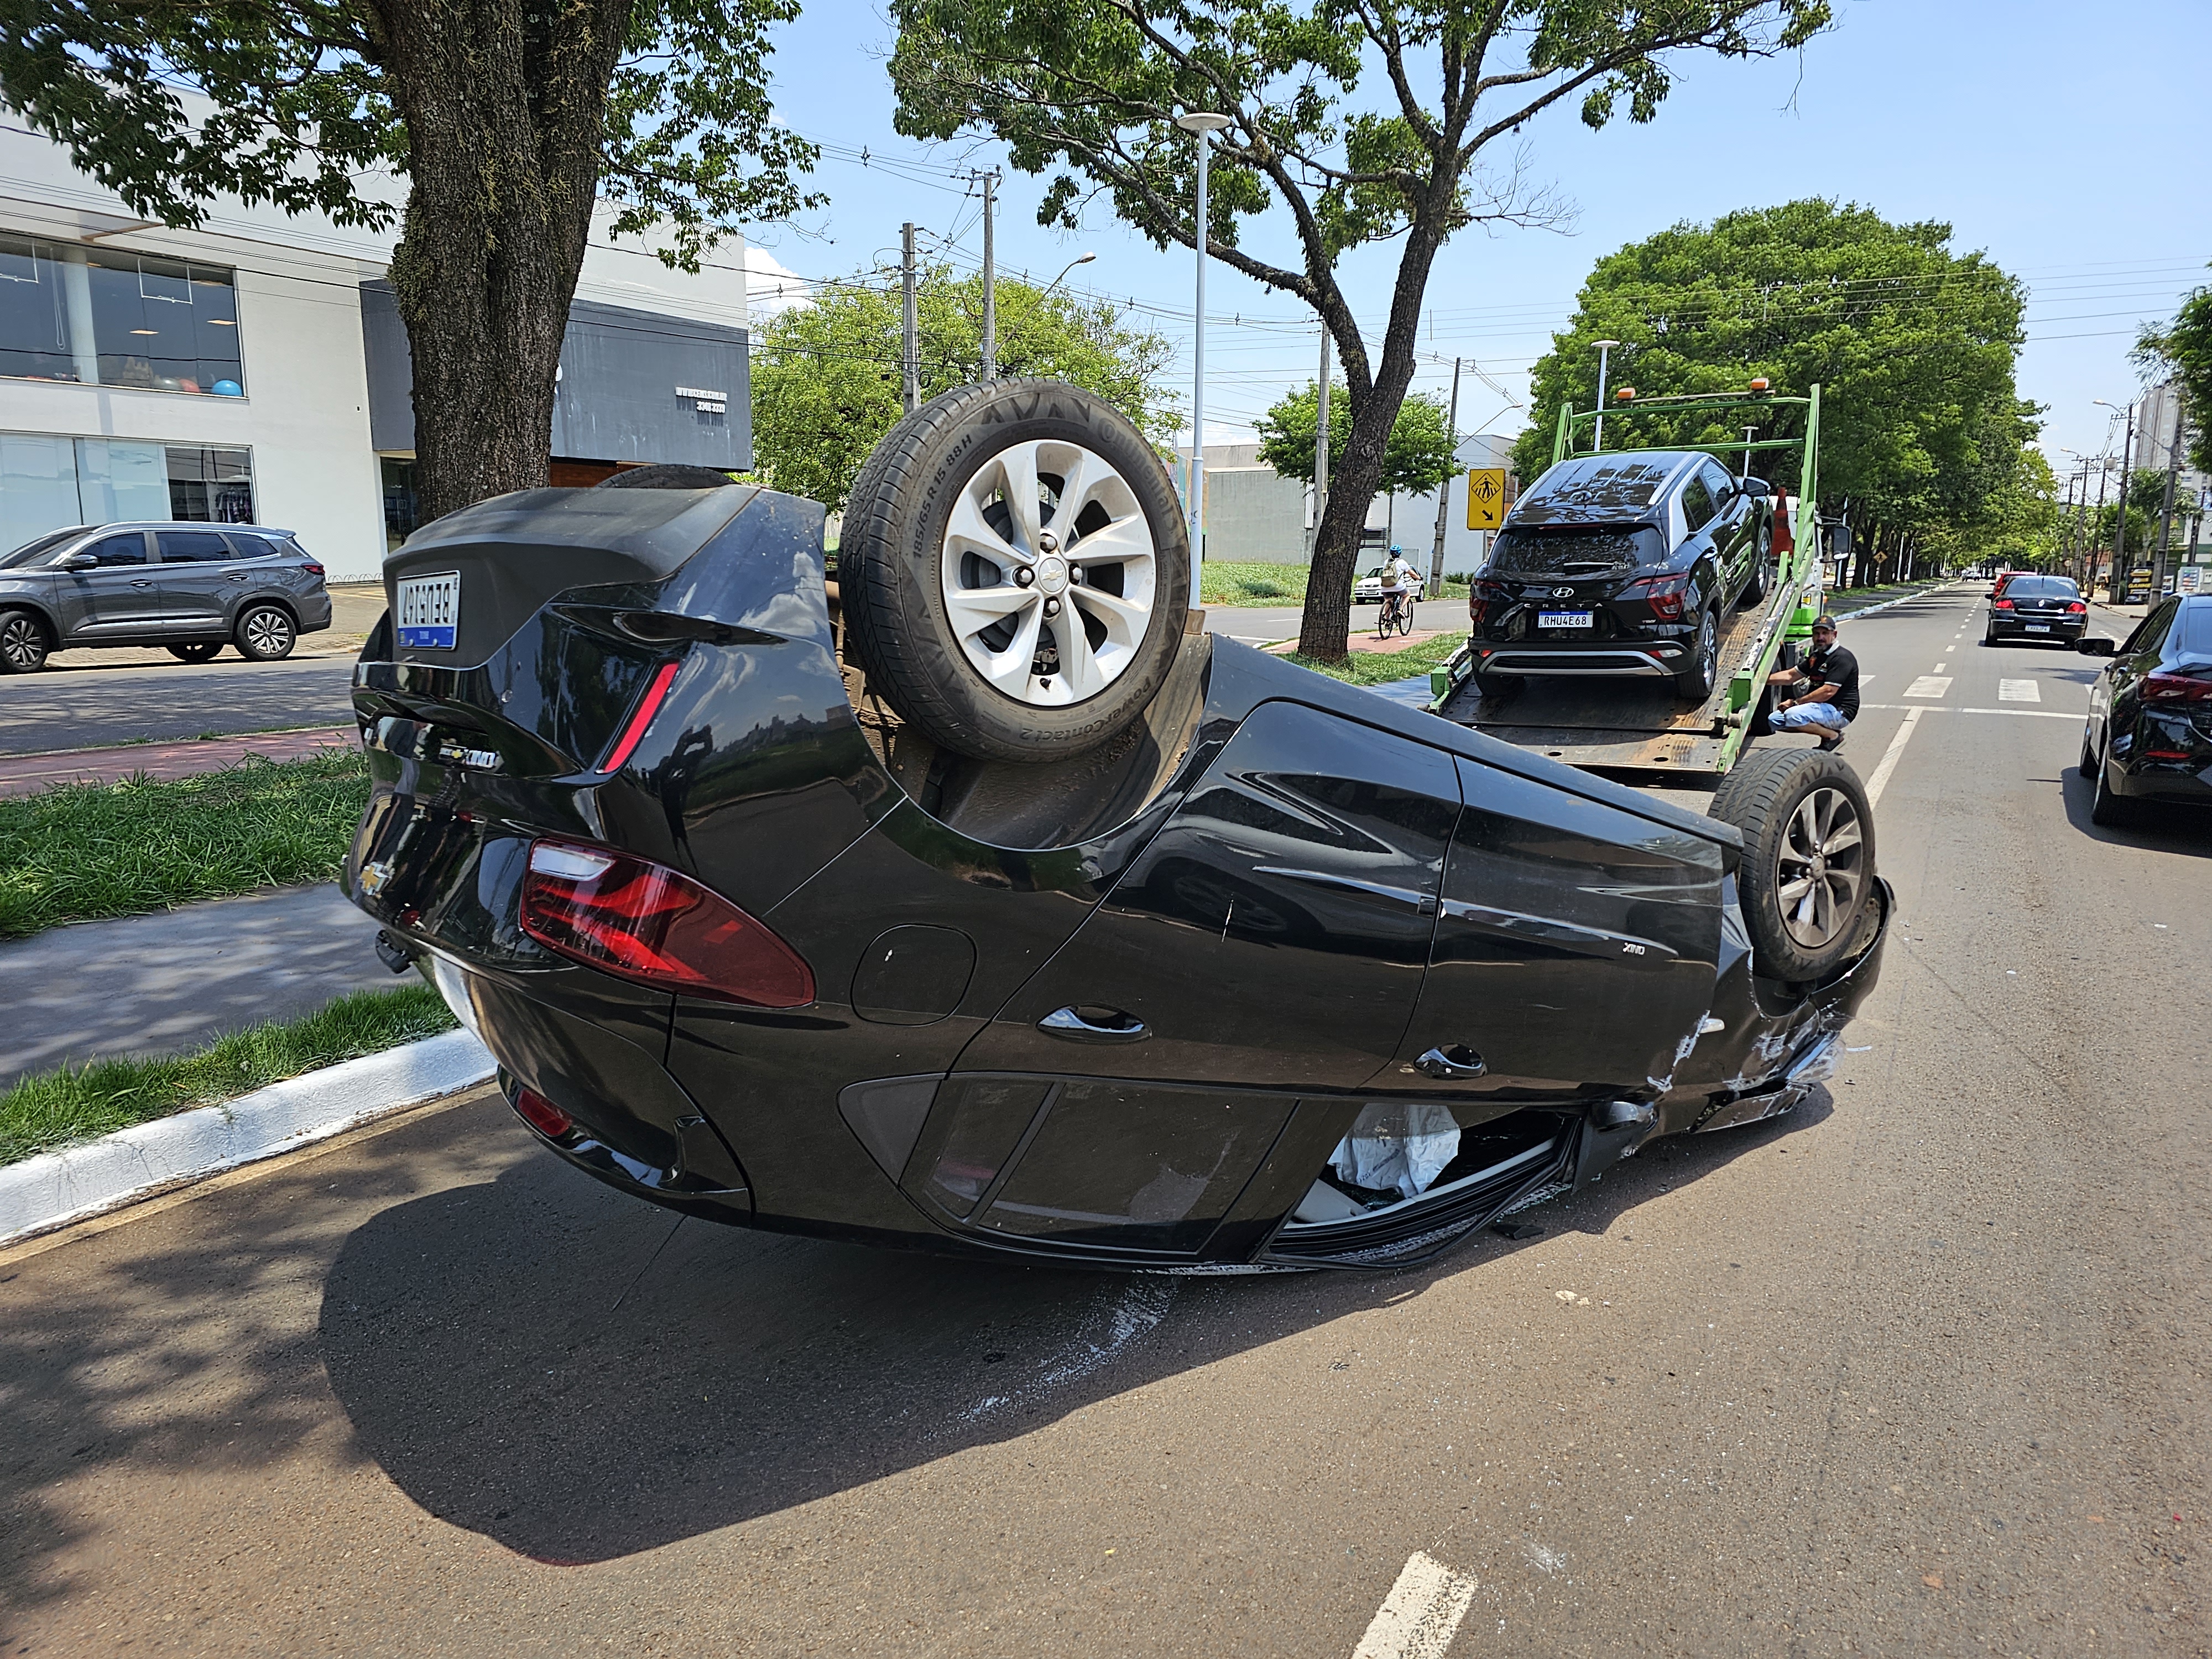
pixel 1803 715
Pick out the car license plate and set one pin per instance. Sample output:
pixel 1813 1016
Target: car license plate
pixel 2039 628
pixel 430 612
pixel 1562 619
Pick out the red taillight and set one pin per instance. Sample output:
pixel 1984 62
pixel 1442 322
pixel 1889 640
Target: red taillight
pixel 641 717
pixel 2076 609
pixel 1664 595
pixel 312 568
pixel 2176 688
pixel 644 922
pixel 2000 604
pixel 1479 599
pixel 542 1115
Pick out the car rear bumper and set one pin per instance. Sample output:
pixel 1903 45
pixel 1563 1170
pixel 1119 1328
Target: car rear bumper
pixel 2056 628
pixel 1614 658
pixel 2189 781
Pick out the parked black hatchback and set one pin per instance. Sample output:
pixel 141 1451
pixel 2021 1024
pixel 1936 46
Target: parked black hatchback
pixel 2030 607
pixel 193 587
pixel 2149 736
pixel 1622 566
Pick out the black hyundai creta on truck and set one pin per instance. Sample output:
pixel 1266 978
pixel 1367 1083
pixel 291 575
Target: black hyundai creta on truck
pixel 1622 566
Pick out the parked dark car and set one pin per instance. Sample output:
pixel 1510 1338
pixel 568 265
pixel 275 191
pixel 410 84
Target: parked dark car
pixel 2035 608
pixel 1274 971
pixel 1622 565
pixel 193 587
pixel 2149 732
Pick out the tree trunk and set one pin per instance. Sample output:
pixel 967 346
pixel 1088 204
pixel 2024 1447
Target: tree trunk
pixel 505 113
pixel 1325 626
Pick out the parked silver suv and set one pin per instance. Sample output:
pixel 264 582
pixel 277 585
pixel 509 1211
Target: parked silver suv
pixel 193 587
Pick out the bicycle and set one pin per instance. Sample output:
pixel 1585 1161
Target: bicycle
pixel 1397 613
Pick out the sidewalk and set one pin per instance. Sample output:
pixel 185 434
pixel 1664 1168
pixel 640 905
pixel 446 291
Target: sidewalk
pixel 27 775
pixel 162 983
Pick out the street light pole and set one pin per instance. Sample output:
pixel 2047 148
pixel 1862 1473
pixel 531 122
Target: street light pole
pixel 990 182
pixel 2118 593
pixel 1079 259
pixel 1321 449
pixel 1201 124
pixel 1597 434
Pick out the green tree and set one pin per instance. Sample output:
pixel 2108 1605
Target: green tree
pixel 826 375
pixel 1419 455
pixel 1087 91
pixel 2182 350
pixel 1913 345
pixel 509 119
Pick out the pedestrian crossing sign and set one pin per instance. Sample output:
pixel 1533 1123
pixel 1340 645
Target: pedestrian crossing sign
pixel 1486 497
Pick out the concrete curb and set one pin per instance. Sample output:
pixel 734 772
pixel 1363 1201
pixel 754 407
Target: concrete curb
pixel 56 1188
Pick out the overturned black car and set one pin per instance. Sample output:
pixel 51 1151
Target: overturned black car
pixel 974 900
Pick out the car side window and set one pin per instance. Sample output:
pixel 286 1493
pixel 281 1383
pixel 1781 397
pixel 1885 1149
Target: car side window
pixel 192 546
pixel 254 547
pixel 2150 633
pixel 1716 482
pixel 125 549
pixel 1697 505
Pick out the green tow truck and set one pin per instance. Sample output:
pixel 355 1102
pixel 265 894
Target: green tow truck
pixel 1812 901
pixel 1638 731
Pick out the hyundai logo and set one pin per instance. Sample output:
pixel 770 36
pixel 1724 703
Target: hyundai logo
pixel 1562 593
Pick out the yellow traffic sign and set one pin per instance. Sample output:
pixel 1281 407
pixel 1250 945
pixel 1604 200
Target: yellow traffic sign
pixel 1486 497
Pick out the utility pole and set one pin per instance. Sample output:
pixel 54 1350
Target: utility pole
pixel 910 346
pixel 1443 489
pixel 2121 585
pixel 2172 477
pixel 1201 124
pixel 990 182
pixel 2089 535
pixel 1321 450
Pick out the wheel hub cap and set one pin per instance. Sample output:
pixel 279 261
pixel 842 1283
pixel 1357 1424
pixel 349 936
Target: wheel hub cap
pixel 1049 572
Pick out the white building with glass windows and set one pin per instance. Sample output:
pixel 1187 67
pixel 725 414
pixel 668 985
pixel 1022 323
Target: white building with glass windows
pixel 253 370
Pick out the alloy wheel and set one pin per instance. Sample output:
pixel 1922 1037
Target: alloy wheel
pixel 267 634
pixel 1821 870
pixel 22 644
pixel 1049 572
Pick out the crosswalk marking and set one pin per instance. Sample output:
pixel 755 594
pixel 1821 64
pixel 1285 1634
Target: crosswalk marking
pixel 1928 685
pixel 2019 691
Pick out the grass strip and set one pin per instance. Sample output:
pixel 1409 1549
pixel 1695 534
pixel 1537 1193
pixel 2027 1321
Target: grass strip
pixel 86 851
pixel 56 1108
pixel 1253 583
pixel 1380 667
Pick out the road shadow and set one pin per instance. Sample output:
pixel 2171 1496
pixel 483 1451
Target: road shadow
pixel 744 1373
pixel 574 1374
pixel 2168 826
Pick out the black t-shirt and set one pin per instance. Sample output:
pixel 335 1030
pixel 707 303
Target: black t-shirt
pixel 1836 666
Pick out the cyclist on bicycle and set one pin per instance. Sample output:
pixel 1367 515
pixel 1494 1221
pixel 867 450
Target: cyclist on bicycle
pixel 1401 583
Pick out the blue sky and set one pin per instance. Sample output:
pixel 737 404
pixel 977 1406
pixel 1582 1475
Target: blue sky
pixel 2056 137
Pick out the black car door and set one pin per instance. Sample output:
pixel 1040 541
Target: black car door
pixel 1576 953
pixel 2139 654
pixel 1735 535
pixel 1271 939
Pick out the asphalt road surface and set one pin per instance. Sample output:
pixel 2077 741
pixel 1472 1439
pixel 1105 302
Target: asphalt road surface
pixel 1920 1369
pixel 1264 625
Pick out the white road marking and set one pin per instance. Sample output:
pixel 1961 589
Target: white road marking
pixel 1420 1615
pixel 1880 780
pixel 1928 685
pixel 2032 713
pixel 2019 691
pixel 1942 668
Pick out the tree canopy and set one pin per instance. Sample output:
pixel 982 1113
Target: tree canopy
pixel 2182 351
pixel 1418 456
pixel 511 122
pixel 826 375
pixel 1352 122
pixel 1913 345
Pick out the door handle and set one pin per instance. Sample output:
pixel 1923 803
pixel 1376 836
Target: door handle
pixel 141 581
pixel 1455 1063
pixel 1111 1025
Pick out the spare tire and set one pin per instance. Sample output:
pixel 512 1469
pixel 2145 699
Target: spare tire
pixel 1014 570
pixel 1808 876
